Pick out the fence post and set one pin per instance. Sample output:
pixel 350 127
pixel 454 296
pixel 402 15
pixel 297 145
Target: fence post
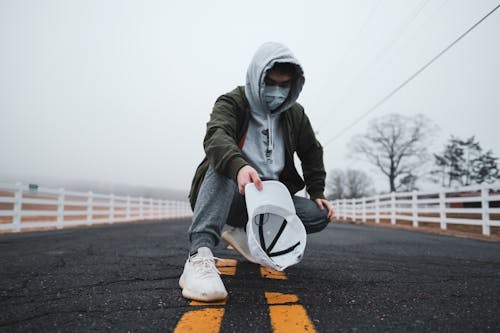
pixel 414 209
pixel 363 207
pixel 442 210
pixel 393 208
pixel 112 208
pixel 155 208
pixel 18 198
pixel 344 204
pixel 162 208
pixel 127 209
pixel 377 209
pixel 151 214
pixel 141 208
pixel 485 205
pixel 89 207
pixel 353 211
pixel 60 209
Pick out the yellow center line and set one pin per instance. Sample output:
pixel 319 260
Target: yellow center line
pixel 205 320
pixel 227 266
pixel 269 273
pixel 290 318
pixel 279 298
pixel 226 263
pixel 286 315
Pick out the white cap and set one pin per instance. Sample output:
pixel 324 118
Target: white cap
pixel 276 236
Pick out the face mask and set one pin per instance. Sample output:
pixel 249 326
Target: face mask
pixel 275 96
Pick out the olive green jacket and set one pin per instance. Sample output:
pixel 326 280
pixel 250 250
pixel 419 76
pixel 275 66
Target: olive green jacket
pixel 225 135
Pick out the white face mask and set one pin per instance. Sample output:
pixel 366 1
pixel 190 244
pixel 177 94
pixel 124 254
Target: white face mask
pixel 275 96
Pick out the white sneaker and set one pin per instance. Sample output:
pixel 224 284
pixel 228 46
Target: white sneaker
pixel 237 238
pixel 200 280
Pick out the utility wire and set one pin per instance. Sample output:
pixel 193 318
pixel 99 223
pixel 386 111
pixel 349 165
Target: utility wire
pixel 381 52
pixel 404 83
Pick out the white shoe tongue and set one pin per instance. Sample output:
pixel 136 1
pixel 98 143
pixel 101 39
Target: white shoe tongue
pixel 205 252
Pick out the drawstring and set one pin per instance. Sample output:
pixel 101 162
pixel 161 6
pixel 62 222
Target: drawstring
pixel 270 140
pixel 270 133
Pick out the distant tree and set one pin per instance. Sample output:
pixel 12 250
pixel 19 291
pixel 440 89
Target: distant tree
pixel 449 163
pixel 408 183
pixel 397 146
pixel 485 169
pixel 358 184
pixel 464 163
pixel 348 184
pixel 335 184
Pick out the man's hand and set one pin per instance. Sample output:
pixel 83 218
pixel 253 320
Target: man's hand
pixel 323 203
pixel 247 175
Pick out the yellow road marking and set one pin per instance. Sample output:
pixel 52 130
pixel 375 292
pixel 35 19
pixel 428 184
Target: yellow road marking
pixel 198 303
pixel 285 317
pixel 206 320
pixel 279 298
pixel 227 270
pixel 289 319
pixel 269 273
pixel 227 266
pixel 226 263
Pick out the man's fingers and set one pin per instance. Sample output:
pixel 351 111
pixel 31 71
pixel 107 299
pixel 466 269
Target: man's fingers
pixel 319 203
pixel 254 177
pixel 322 204
pixel 330 210
pixel 330 213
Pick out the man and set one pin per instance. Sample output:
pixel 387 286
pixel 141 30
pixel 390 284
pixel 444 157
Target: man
pixel 252 135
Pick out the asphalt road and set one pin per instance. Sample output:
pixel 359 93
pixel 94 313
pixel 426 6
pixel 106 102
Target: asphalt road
pixel 353 278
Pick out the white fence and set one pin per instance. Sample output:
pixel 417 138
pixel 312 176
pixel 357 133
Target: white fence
pixel 471 205
pixel 25 207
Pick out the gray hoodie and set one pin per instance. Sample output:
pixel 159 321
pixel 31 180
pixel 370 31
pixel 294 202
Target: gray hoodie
pixel 264 146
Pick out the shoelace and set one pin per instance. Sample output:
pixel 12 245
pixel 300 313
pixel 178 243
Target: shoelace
pixel 205 265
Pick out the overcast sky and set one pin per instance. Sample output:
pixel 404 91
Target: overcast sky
pixel 121 91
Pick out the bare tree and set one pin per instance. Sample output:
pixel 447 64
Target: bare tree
pixel 347 184
pixel 397 146
pixel 358 183
pixel 335 184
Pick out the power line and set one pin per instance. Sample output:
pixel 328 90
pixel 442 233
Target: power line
pixel 382 52
pixel 404 83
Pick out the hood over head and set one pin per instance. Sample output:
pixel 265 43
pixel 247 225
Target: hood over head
pixel 264 59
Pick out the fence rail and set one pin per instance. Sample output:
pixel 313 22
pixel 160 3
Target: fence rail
pixel 471 205
pixel 25 207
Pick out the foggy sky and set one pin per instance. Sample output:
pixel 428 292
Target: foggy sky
pixel 121 91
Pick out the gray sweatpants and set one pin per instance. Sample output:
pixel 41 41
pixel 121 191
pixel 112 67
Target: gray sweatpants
pixel 220 203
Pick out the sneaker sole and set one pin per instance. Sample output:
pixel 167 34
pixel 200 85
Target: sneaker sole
pixel 187 293
pixel 227 237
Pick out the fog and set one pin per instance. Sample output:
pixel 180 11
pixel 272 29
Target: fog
pixel 120 91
